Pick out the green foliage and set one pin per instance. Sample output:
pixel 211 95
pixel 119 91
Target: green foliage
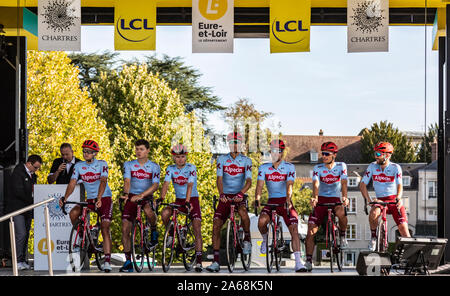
pixel 59 111
pixel 384 131
pixel 424 149
pixel 138 105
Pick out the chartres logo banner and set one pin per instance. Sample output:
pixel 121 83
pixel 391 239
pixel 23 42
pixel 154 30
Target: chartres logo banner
pixel 59 25
pixel 367 25
pixel 212 26
pixel 290 22
pixel 135 25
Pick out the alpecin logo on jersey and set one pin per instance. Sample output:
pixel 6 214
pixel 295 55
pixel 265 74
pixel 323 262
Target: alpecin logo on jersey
pixel 383 178
pixel 141 174
pixel 330 179
pixel 233 170
pixel 180 180
pixel 276 177
pixel 90 177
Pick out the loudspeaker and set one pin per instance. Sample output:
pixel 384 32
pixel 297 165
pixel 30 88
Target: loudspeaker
pixel 373 263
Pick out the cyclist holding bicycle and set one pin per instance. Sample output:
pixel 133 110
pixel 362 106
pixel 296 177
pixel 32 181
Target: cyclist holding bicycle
pixel 387 183
pixel 234 178
pixel 141 179
pixel 94 175
pixel 184 178
pixel 328 178
pixel 279 177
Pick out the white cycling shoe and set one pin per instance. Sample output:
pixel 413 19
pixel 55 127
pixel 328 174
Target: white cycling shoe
pixel 107 267
pixel 299 267
pixel 308 266
pixel 263 247
pixel 247 248
pixel 373 244
pixel 214 267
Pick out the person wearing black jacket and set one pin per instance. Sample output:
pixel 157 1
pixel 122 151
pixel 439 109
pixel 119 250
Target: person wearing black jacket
pixel 62 168
pixel 23 179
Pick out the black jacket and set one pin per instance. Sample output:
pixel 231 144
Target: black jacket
pixel 63 177
pixel 21 188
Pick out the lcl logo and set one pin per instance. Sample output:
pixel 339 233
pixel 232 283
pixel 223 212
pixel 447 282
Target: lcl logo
pixel 123 26
pixel 279 28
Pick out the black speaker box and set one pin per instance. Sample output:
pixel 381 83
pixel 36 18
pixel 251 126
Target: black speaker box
pixel 373 263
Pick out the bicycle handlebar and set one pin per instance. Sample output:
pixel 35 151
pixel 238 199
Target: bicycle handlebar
pixel 148 198
pixel 330 204
pixel 80 203
pixel 172 205
pixel 381 203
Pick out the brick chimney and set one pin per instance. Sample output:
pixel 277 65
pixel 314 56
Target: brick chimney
pixel 434 151
pixel 321 132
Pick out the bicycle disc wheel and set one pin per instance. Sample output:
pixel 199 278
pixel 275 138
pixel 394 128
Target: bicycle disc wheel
pixel 138 247
pixel 231 246
pixel 380 237
pixel 270 253
pixel 331 244
pixel 279 247
pixel 188 245
pixel 77 252
pixel 168 247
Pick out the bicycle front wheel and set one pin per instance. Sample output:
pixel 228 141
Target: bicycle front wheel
pixel 337 249
pixel 78 249
pixel 331 244
pixel 188 245
pixel 381 237
pixel 279 246
pixel 270 252
pixel 168 247
pixel 245 258
pixel 231 246
pixel 138 247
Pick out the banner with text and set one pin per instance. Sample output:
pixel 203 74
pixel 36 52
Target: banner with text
pixel 367 25
pixel 60 227
pixel 212 26
pixel 290 23
pixel 59 25
pixel 135 25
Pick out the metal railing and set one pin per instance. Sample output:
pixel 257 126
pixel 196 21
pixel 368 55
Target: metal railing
pixel 13 235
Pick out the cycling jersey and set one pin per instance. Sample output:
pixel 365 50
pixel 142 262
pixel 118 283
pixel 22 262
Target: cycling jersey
pixel 141 177
pixel 234 172
pixel 384 182
pixel 330 179
pixel 276 178
pixel 90 174
pixel 180 179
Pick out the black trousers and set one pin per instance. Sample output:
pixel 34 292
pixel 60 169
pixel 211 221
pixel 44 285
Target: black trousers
pixel 22 225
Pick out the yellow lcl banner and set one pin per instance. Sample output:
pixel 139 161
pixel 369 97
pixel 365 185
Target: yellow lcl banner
pixel 290 25
pixel 135 25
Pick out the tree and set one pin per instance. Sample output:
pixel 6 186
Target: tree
pixel 424 149
pixel 59 111
pixel 91 65
pixel 139 105
pixel 383 131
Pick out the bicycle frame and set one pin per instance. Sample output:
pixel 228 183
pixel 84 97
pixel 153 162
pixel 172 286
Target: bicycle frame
pixel 331 218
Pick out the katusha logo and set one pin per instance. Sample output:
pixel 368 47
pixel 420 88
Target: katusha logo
pixel 141 174
pixel 330 179
pixel 276 177
pixel 213 9
pixel 233 170
pixel 383 178
pixel 131 30
pixel 289 32
pixel 180 180
pixel 90 177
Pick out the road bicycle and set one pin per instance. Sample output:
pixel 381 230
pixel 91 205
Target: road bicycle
pixel 235 237
pixel 382 228
pixel 178 238
pixel 141 247
pixel 333 235
pixel 85 240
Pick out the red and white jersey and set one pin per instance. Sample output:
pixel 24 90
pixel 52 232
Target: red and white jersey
pixel 276 178
pixel 330 179
pixel 384 181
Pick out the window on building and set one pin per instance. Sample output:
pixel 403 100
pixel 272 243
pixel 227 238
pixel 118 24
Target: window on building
pixel 432 189
pixel 352 205
pixel 405 200
pixel 314 156
pixel 352 181
pixel 406 181
pixel 352 232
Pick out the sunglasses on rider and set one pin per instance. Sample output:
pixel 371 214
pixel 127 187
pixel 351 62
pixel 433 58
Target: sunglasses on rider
pixel 88 151
pixel 326 153
pixel 276 150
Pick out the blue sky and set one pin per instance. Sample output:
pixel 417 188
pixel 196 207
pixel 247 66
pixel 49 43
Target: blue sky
pixel 326 88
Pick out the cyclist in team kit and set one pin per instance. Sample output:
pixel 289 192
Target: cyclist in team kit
pixel 141 180
pixel 279 177
pixel 234 179
pixel 183 176
pixel 387 183
pixel 329 179
pixel 94 176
